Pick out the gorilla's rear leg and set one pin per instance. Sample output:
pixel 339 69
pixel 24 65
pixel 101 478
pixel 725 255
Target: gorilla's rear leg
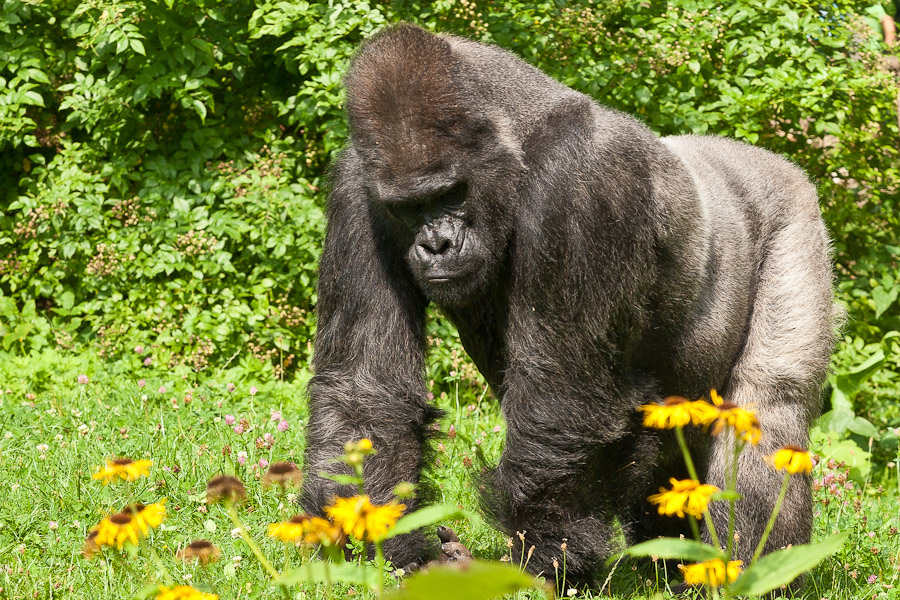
pixel 778 374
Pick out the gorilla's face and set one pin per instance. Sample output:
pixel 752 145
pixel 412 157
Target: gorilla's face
pixel 450 253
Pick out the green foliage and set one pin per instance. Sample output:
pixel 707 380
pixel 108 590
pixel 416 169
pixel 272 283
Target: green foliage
pixel 479 581
pixel 783 566
pixel 163 163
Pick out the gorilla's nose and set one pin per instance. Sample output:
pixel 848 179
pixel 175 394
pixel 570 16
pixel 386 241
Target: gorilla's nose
pixel 435 241
pixel 435 246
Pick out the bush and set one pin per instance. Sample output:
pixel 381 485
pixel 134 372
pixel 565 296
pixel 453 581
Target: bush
pixel 163 163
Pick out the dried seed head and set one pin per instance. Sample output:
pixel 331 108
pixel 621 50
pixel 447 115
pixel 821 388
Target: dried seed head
pixel 284 474
pixel 90 547
pixel 225 488
pixel 202 550
pixel 521 535
pixel 530 552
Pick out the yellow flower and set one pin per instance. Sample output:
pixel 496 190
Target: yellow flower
pixel 183 592
pixel 129 525
pixel 123 468
pixel 712 572
pixel 686 497
pixel 321 531
pixel 291 530
pixel 792 459
pixel 306 528
pixel 742 421
pixel 358 517
pixel 715 397
pixel 673 412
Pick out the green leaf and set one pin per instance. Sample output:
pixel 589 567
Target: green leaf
pixel 643 95
pixel 883 298
pixel 137 46
pixel 200 108
pixel 863 427
pixel 35 98
pixel 341 478
pixel 783 566
pixel 480 581
pixel 847 384
pixel 694 66
pixel 690 550
pixel 321 572
pixel 429 516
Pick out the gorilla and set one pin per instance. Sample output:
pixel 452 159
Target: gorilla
pixel 590 267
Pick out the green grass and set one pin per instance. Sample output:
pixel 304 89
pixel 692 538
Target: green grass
pixel 55 432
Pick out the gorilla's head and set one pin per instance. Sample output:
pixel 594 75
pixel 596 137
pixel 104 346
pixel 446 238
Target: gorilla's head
pixel 436 170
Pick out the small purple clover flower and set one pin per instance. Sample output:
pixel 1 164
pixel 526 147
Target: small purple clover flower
pixel 161 390
pixel 142 383
pixel 253 390
pixel 83 379
pixel 872 578
pixel 283 425
pixel 230 387
pixel 242 457
pixel 239 428
pixel 148 361
pixel 229 420
pixel 138 349
pixel 263 463
pixel 276 416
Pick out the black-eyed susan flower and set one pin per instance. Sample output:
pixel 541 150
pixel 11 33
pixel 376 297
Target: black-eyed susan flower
pixel 321 531
pixel 183 592
pixel 358 517
pixel 225 488
pixel 203 551
pixel 130 525
pixel 283 474
pixel 741 420
pixel 291 531
pixel 686 497
pixel 123 468
pixel 792 459
pixel 674 411
pixel 712 572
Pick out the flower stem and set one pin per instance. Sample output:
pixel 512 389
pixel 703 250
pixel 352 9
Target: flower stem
pixel 771 523
pixel 379 563
pixel 692 471
pixel 232 512
pixel 159 565
pixel 731 485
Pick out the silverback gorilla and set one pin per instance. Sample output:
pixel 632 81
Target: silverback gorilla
pixel 589 266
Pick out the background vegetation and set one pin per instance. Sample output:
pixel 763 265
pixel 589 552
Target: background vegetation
pixel 163 168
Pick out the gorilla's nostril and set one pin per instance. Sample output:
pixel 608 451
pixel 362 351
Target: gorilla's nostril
pixel 435 247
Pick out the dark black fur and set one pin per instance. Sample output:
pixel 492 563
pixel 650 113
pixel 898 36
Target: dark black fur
pixel 589 266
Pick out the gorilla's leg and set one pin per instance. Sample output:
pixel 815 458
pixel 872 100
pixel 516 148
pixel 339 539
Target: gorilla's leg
pixel 779 373
pixel 563 476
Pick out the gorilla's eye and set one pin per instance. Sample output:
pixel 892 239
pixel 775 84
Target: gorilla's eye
pixel 407 213
pixel 453 198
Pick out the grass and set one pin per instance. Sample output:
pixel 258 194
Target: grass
pixel 55 431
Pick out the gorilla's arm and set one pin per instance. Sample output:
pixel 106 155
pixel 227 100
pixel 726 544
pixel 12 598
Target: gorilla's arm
pixel 368 356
